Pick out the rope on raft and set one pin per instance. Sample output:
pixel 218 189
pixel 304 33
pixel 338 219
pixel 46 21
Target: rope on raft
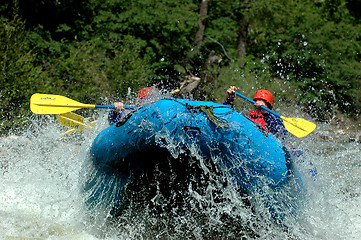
pixel 219 121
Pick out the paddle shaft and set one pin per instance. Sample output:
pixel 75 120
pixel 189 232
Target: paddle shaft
pixel 79 105
pixel 112 107
pixel 297 126
pixel 262 107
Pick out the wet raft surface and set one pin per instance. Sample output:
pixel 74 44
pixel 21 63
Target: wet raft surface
pixel 168 152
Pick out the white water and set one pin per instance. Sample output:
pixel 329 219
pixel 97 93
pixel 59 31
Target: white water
pixel 40 197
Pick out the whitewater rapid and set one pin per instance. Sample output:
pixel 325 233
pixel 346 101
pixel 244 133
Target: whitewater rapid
pixel 40 196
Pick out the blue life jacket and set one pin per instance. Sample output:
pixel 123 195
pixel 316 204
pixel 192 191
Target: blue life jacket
pixel 114 117
pixel 276 127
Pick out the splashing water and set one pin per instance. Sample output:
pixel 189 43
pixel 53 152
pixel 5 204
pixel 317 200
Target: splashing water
pixel 41 198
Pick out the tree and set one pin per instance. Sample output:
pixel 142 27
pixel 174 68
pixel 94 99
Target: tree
pixel 19 76
pixel 203 11
pixel 243 32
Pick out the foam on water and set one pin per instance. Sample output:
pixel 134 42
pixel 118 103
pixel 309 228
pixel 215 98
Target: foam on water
pixel 41 198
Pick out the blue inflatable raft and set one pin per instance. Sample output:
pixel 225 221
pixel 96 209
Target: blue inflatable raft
pixel 183 129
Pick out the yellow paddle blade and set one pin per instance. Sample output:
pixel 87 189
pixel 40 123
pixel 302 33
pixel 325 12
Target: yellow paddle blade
pixel 175 91
pixel 73 120
pixel 54 104
pixel 67 132
pixel 298 126
pixel 72 116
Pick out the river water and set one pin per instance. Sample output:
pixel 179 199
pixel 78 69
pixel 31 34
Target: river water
pixel 40 196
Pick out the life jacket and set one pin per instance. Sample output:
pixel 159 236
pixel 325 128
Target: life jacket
pixel 257 118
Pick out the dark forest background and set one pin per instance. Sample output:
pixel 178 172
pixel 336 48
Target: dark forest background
pixel 307 52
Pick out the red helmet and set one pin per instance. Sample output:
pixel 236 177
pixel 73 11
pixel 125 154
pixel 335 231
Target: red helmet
pixel 264 95
pixel 144 92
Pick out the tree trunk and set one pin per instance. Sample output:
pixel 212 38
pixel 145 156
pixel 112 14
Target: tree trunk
pixel 242 38
pixel 203 11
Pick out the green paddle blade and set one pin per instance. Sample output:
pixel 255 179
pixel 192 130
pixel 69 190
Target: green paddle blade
pixel 54 104
pixel 298 126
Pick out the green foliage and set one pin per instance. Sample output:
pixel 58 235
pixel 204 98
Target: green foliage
pixel 222 26
pixel 354 6
pixel 127 69
pixel 165 27
pixel 19 77
pixel 87 68
pixel 305 52
pixel 318 54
